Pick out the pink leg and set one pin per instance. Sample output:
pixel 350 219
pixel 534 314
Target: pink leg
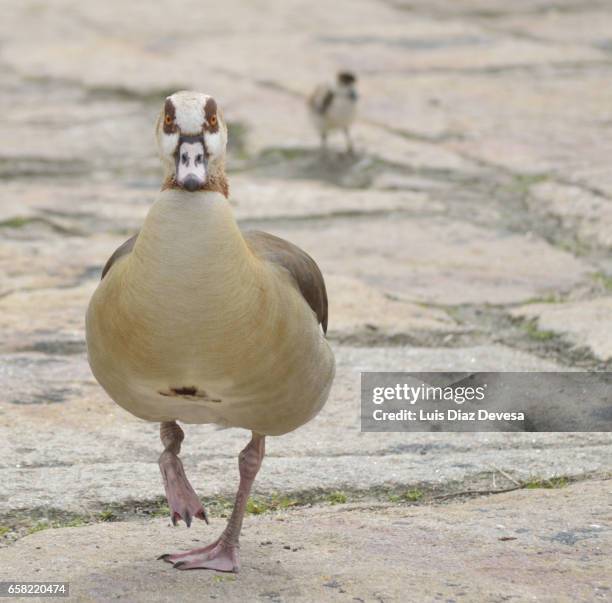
pixel 182 500
pixel 222 554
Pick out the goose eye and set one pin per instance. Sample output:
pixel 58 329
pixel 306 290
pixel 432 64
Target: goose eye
pixel 168 120
pixel 213 120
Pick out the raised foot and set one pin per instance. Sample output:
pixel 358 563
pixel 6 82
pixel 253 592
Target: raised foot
pixel 183 501
pixel 219 556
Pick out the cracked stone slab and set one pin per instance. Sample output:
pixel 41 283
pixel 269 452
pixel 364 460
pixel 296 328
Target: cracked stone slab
pixel 44 261
pixel 538 122
pixel 356 309
pixel 586 323
pixel 534 125
pixel 120 208
pixel 155 45
pixel 80 207
pixel 65 445
pixel 586 213
pixel 74 122
pixel 376 144
pixel 585 23
pixel 439 261
pixel 47 320
pixel 350 552
pixel 273 199
pixel 496 11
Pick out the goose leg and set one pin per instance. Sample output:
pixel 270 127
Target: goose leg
pixel 222 554
pixel 349 142
pixel 324 142
pixel 183 501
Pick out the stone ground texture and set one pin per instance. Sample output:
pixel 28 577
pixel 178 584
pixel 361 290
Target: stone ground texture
pixel 471 231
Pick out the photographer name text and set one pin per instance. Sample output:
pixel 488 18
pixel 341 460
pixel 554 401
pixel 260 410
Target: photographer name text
pixel 449 414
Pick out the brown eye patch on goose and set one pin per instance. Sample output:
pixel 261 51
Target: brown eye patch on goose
pixel 169 117
pixel 210 114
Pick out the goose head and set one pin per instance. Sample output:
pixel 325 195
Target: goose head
pixel 192 140
pixel 347 84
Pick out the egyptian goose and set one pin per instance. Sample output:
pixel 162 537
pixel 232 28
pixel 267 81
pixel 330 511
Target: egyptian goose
pixel 333 107
pixel 197 321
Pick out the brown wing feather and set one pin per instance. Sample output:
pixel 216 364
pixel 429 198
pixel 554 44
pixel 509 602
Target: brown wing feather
pixel 320 100
pixel 298 263
pixel 122 250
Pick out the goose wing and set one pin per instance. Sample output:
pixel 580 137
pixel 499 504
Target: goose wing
pixel 123 249
pixel 298 263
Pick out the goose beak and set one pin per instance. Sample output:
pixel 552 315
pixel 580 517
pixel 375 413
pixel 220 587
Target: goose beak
pixel 191 163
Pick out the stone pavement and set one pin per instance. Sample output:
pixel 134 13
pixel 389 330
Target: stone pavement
pixel 532 545
pixel 471 231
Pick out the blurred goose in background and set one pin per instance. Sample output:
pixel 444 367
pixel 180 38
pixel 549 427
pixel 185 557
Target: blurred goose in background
pixel 333 107
pixel 199 322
